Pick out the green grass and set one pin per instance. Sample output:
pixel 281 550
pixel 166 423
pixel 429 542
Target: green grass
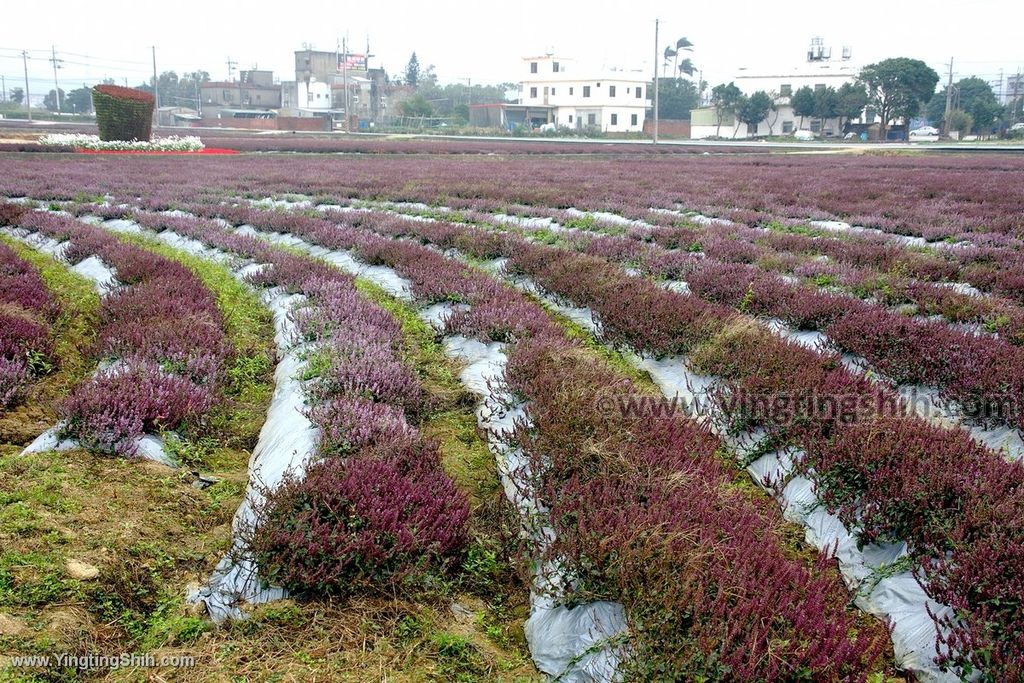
pixel 145 528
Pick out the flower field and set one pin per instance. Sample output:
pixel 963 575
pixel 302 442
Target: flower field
pixel 501 415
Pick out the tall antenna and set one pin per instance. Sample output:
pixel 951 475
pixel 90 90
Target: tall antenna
pixel 231 67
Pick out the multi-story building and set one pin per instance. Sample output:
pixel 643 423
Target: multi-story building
pixel 554 90
pixel 329 83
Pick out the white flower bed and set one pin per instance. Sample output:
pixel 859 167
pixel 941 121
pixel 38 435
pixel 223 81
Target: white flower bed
pixel 92 142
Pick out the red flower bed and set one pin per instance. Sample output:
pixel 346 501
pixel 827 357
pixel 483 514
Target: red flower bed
pixel 207 150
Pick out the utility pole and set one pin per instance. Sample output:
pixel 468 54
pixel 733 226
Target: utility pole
pixel 3 88
pixel 1013 102
pixel 949 99
pixel 656 54
pixel 344 76
pixel 156 92
pixel 56 87
pixel 28 95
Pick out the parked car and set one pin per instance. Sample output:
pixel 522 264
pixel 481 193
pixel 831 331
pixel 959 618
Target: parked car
pixel 803 135
pixel 924 132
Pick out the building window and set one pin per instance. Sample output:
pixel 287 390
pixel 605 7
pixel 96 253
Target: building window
pixel 869 115
pixel 533 67
pixel 591 119
pixel 598 85
pixel 752 129
pixel 615 119
pixel 570 118
pixel 611 91
pixel 552 92
pixel 226 95
pixel 785 90
pixel 586 91
pixel 632 119
pixel 815 125
pixel 787 127
pixel 570 91
pixel 639 92
pixel 554 66
pixel 819 87
pixel 533 93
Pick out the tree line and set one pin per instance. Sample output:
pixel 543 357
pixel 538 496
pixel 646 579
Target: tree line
pixel 898 88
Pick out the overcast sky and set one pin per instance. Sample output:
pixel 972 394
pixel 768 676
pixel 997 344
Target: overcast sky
pixel 485 41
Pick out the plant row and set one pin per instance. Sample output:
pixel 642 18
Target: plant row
pixel 27 314
pixel 863 264
pixel 964 197
pixel 375 507
pixel 946 496
pixel 161 343
pixel 983 374
pixel 662 506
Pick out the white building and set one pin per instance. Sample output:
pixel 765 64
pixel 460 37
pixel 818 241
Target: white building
pixel 612 101
pixel 820 70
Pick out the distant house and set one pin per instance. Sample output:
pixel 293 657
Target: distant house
pixel 255 90
pixel 820 70
pixel 176 116
pixel 553 90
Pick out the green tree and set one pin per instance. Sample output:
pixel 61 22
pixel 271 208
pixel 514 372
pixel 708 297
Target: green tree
pixel 52 100
pixel 676 98
pixel 972 95
pixel 755 109
pixel 412 71
pixel 1013 112
pixel 802 102
pixel 669 54
pixel 416 105
pixel 79 100
pixel 826 105
pixel 897 87
pixel 18 95
pixel 961 121
pixel 851 99
pixel 726 100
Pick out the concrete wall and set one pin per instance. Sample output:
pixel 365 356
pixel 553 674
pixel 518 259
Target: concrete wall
pixel 579 117
pixel 311 124
pixel 669 128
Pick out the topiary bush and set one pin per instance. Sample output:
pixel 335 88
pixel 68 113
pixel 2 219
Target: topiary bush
pixel 123 113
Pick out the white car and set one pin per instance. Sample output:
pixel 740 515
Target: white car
pixel 803 135
pixel 1017 126
pixel 925 132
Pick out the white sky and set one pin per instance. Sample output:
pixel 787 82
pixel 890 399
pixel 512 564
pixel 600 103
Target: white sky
pixel 484 40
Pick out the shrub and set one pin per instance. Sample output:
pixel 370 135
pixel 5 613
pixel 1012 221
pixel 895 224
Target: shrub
pixel 109 411
pixel 14 375
pixel 358 522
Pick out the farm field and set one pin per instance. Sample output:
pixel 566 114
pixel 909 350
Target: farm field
pixel 451 411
